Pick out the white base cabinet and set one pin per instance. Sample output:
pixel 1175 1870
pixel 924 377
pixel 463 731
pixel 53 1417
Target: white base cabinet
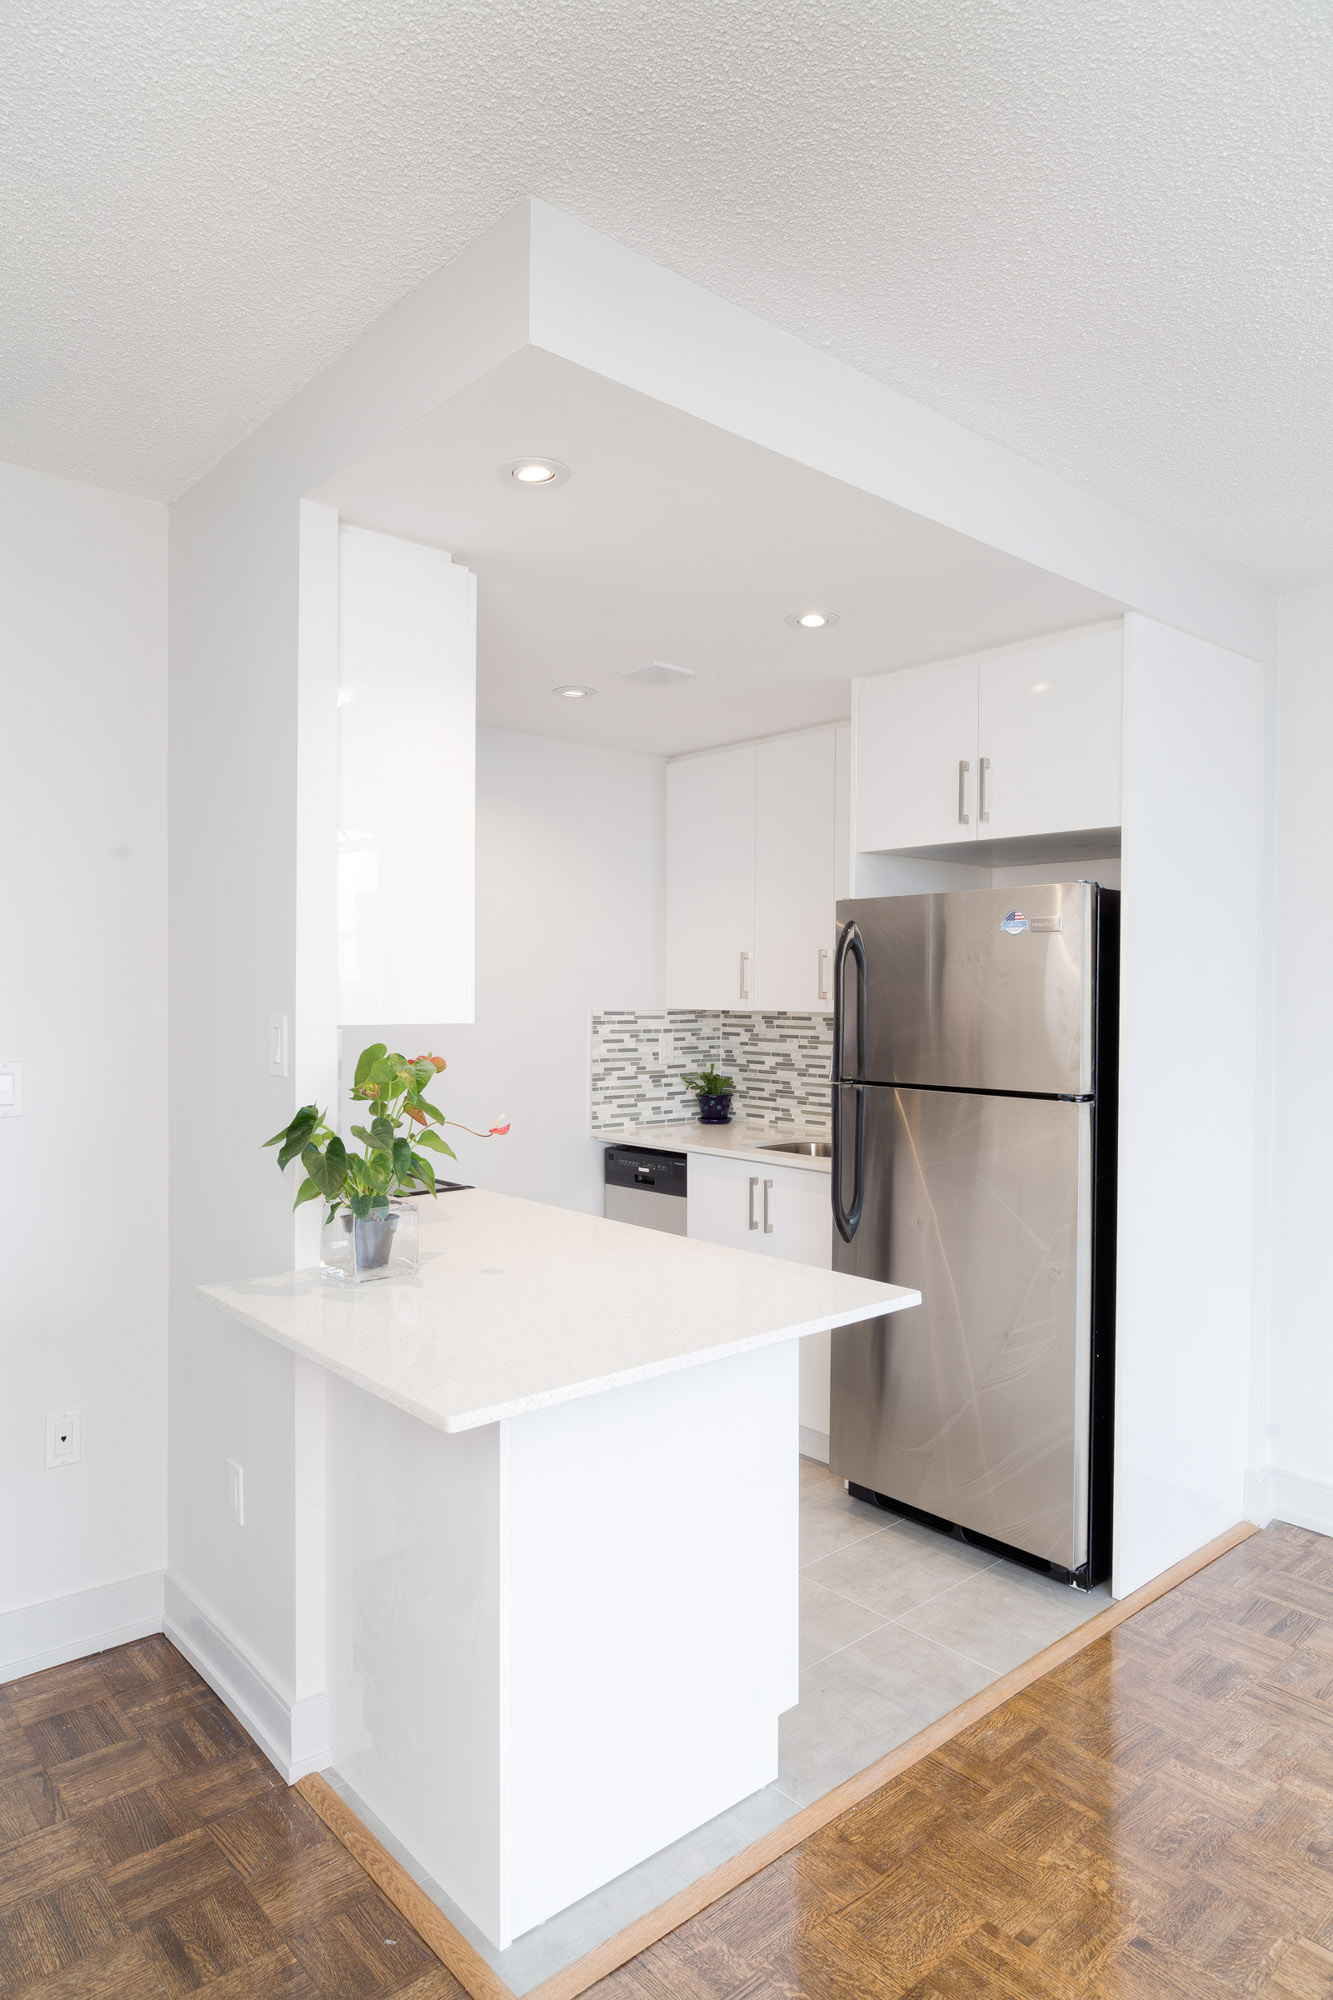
pixel 503 1694
pixel 775 1212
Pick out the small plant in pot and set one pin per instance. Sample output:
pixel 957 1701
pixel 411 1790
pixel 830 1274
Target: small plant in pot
pixel 370 1227
pixel 713 1091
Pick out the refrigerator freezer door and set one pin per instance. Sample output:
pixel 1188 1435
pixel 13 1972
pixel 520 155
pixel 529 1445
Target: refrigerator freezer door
pixel 976 989
pixel 974 1405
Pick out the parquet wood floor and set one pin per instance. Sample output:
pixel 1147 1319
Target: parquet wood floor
pixel 1151 1821
pixel 149 1850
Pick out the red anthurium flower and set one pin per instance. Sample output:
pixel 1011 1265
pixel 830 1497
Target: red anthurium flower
pixel 498 1131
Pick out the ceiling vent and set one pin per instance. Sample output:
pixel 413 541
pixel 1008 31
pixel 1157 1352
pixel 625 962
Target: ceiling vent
pixel 659 674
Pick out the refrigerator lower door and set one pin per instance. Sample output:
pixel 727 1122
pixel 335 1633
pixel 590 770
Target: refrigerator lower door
pixel 974 1405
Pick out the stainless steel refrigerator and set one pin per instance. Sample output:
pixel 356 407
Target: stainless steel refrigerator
pixel 974 1131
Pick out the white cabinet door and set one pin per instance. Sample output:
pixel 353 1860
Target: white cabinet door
pixel 795 866
pixel 794 1202
pixel 801 1224
pixel 723 1202
pixel 710 880
pixel 916 757
pixel 407 646
pixel 728 1203
pixel 1049 732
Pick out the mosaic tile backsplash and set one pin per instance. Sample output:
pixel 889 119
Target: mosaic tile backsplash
pixel 780 1063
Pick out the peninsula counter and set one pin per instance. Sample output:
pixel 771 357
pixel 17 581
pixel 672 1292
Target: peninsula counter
pixel 561 1536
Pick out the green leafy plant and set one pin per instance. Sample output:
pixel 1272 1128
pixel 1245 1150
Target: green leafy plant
pixel 403 1122
pixel 709 1083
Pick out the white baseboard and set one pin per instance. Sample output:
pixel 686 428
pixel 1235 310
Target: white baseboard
pixel 37 1636
pixel 1274 1495
pixel 814 1444
pixel 293 1735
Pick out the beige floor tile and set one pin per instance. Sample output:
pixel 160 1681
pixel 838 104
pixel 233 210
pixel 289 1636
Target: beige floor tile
pixel 926 1679
pixel 891 1573
pixel 1002 1616
pixel 830 1622
pixel 841 1725
pixel 831 1519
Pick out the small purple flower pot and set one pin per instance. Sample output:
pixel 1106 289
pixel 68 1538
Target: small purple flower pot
pixel 715 1110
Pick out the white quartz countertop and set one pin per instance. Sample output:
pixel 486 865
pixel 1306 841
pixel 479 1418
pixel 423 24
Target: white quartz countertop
pixel 517 1306
pixel 742 1140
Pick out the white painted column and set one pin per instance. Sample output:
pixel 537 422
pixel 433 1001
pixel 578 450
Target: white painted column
pixel 1192 952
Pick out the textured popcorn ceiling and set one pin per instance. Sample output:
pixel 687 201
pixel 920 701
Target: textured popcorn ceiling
pixel 1097 230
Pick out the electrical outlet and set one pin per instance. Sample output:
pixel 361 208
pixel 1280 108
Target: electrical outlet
pixel 236 1492
pixel 64 1438
pixel 277 1045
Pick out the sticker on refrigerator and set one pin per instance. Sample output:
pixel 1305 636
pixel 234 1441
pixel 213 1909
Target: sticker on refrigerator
pixel 1014 923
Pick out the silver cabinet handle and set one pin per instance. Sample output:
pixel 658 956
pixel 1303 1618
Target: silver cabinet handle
pixel 983 795
pixel 745 975
pixel 768 1226
pixel 963 768
pixel 825 953
pixel 754 1182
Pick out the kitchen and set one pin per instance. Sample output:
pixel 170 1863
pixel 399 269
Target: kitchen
pixel 592 807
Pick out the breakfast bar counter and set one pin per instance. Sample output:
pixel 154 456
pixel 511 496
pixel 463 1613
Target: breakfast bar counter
pixel 561 1536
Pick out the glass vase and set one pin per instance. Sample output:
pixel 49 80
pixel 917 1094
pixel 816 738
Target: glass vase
pixel 383 1244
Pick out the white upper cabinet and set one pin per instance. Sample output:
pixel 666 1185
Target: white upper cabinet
pixel 794 893
pixel 1049 730
pixel 407 703
pixel 752 875
pixel 916 757
pixel 1021 741
pixel 710 880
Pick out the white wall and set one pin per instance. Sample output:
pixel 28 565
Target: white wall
pixel 1297 1485
pixel 83 1180
pixel 570 869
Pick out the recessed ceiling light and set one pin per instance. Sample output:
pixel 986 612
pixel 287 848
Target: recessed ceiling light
pixel 534 472
pixel 812 621
pixel 573 693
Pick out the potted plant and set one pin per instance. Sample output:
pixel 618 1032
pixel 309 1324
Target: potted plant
pixel 713 1091
pixel 370 1227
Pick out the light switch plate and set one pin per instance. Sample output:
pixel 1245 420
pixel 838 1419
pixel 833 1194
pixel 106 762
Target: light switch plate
pixel 11 1090
pixel 277 1044
pixel 236 1492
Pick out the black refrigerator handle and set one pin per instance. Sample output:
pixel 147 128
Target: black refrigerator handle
pixel 849 942
pixel 848 1220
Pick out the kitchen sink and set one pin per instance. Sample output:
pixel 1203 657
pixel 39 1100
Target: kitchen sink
pixel 809 1149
